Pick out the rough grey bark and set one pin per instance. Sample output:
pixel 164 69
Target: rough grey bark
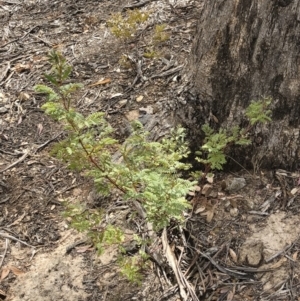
pixel 243 50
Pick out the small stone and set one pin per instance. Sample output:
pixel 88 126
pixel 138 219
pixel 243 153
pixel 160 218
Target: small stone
pixel 3 110
pixel 236 184
pixel 122 103
pixel 234 212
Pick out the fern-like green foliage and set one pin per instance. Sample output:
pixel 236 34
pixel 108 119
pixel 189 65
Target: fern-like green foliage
pixel 148 172
pixel 258 111
pixel 145 171
pixel 215 144
pixel 131 267
pixel 212 152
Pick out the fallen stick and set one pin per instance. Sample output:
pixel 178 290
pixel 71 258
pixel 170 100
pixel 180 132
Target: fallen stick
pixel 172 262
pixel 3 256
pixel 25 155
pixel 4 235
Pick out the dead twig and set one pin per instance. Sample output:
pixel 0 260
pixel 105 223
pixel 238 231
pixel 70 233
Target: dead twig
pixel 172 262
pixel 4 73
pixel 4 200
pixel 181 280
pixel 47 43
pixel 4 235
pixel 5 251
pixel 258 213
pixel 75 244
pixel 139 74
pixel 47 142
pixel 167 73
pixel 227 271
pixel 268 260
pixel 136 5
pixel 20 38
pixel 25 155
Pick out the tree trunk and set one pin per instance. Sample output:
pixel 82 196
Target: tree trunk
pixel 244 50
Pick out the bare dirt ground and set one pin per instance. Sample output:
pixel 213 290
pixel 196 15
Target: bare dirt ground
pixel 239 243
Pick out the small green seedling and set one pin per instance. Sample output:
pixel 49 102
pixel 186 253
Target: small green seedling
pixel 127 26
pixel 212 152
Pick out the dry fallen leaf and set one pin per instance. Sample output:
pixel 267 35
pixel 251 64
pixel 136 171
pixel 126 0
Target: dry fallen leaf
pixel 210 178
pixel 209 214
pixel 206 190
pixel 23 96
pixel 224 290
pixel 40 128
pixel 101 82
pixel 197 188
pixel 200 209
pixel 115 95
pixel 294 191
pixel 233 255
pixel 295 255
pixel 4 273
pixel 84 249
pixel 16 271
pixel 139 98
pixel 230 296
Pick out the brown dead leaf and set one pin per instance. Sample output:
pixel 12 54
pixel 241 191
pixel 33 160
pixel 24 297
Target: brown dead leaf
pixel 200 209
pixel 84 249
pixel 224 290
pixel 295 255
pixel 40 128
pixel 197 188
pixel 209 214
pixel 4 273
pixel 210 178
pixel 230 296
pixel 101 82
pixel 233 255
pixel 23 96
pixel 206 190
pixel 16 270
